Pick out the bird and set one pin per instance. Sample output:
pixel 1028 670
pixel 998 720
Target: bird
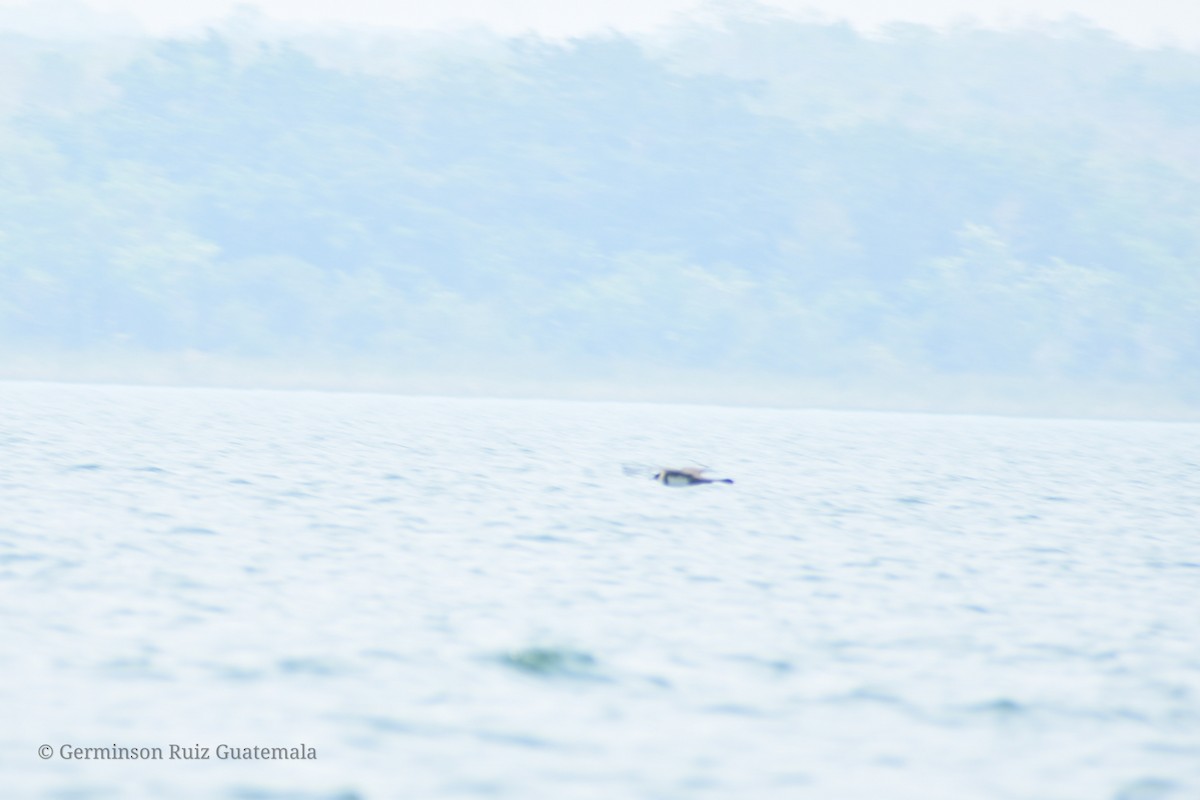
pixel 685 476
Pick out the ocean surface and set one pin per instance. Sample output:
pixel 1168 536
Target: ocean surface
pixel 451 598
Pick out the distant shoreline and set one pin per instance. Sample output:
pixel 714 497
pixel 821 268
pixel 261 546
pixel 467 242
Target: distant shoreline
pixel 964 395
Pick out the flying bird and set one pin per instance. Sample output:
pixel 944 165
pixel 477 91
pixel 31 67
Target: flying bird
pixel 685 476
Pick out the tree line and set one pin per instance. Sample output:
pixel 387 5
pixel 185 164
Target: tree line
pixel 759 195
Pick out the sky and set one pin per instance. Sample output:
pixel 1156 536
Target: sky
pixel 1146 22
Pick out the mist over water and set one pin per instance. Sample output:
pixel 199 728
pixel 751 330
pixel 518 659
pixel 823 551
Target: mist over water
pixel 766 208
pixel 468 598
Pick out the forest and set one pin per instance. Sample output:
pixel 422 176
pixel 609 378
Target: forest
pixel 753 207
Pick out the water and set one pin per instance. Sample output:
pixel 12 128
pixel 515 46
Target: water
pixel 485 598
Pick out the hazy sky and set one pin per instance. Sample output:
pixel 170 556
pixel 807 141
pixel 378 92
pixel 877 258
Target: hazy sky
pixel 1144 21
